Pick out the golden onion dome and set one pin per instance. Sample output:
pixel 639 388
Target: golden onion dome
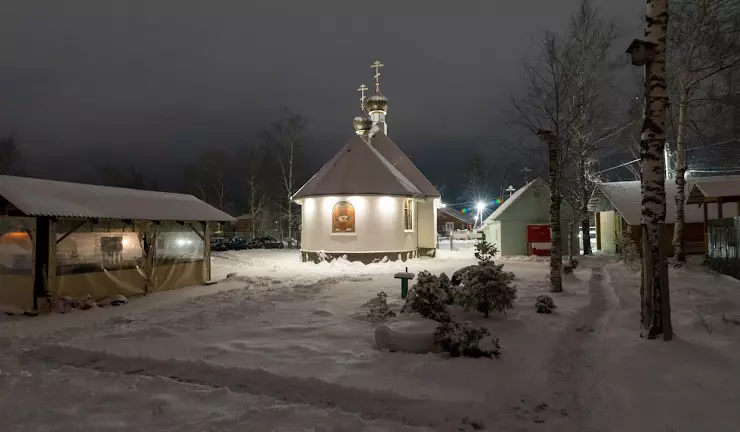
pixel 377 102
pixel 362 123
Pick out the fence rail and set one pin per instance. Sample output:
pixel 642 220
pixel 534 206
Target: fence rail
pixel 723 252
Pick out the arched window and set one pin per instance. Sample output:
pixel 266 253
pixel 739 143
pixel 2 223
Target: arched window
pixel 343 218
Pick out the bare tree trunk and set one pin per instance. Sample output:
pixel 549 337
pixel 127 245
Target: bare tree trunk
pixel 654 294
pixel 585 224
pixel 556 251
pixel 678 231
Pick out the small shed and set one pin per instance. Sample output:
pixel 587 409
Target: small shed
pixel 62 239
pixel 521 224
pixel 618 208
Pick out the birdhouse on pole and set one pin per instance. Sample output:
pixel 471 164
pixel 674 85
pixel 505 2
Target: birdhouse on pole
pixel 641 51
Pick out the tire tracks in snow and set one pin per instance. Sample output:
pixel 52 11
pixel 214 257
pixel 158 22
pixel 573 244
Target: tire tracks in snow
pixel 370 404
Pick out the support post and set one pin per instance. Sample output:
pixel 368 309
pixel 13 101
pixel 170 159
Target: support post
pixel 706 228
pixel 719 208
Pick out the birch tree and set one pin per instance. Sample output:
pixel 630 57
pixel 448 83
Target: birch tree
pixel 283 140
pixel 590 38
pixel 254 186
pixel 704 41
pixel 654 292
pixel 543 111
pixel 566 106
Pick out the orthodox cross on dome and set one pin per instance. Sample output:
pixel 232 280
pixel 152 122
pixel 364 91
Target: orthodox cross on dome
pixel 377 65
pixel 363 88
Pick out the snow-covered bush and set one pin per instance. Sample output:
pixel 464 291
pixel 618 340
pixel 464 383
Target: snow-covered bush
pixel 487 288
pixel 461 339
pixel 544 304
pixel 457 277
pixel 379 310
pixel 427 298
pixel 446 286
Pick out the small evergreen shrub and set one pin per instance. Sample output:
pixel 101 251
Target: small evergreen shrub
pixel 484 252
pixel 427 298
pixel 544 304
pixel 487 288
pixel 461 339
pixel 457 277
pixel 378 308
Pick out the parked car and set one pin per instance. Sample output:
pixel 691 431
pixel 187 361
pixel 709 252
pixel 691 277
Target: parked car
pixel 219 244
pixel 239 243
pixel 265 243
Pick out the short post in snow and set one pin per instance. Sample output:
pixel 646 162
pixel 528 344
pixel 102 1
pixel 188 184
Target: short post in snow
pixel 405 277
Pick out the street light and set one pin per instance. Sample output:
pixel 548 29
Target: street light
pixel 480 206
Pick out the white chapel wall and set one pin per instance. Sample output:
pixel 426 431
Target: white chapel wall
pixel 427 224
pixel 378 226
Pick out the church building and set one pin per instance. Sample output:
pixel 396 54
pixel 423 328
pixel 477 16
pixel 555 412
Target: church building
pixel 369 203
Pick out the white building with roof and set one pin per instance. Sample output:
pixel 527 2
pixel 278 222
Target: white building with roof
pixel 521 224
pixel 369 202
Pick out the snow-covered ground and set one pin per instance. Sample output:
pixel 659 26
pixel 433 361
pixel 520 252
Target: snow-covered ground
pixel 284 346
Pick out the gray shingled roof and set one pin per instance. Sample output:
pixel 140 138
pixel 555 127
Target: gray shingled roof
pixel 393 154
pixel 358 169
pixel 37 197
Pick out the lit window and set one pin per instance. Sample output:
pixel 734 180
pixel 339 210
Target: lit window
pixel 408 215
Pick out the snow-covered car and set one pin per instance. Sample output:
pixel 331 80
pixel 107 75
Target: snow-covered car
pixel 265 243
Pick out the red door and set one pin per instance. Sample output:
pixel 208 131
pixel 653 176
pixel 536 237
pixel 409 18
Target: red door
pixel 538 240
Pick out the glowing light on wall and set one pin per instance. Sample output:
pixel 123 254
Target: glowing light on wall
pixel 327 204
pixel 387 205
pixel 309 206
pixel 360 203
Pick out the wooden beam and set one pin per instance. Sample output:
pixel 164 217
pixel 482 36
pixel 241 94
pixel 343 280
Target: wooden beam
pixel 706 238
pixel 719 208
pixel 59 240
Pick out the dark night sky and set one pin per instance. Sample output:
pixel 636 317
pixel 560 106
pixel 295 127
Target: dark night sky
pixel 83 82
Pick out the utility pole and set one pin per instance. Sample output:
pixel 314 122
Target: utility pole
pixel 654 292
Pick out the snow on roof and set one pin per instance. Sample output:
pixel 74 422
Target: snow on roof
pixel 37 197
pixel 626 197
pixel 358 169
pixel 511 200
pixel 393 154
pixel 713 187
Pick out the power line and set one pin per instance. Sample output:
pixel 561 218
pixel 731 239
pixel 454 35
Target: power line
pixel 618 166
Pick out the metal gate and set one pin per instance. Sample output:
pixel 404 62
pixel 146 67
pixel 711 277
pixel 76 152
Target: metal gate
pixel 723 251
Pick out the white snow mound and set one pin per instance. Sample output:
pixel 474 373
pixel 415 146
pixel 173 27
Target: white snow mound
pixel 412 334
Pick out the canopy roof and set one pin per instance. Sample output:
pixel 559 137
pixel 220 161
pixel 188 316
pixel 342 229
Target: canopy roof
pixel 368 166
pixel 37 197
pixel 626 198
pixel 710 188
